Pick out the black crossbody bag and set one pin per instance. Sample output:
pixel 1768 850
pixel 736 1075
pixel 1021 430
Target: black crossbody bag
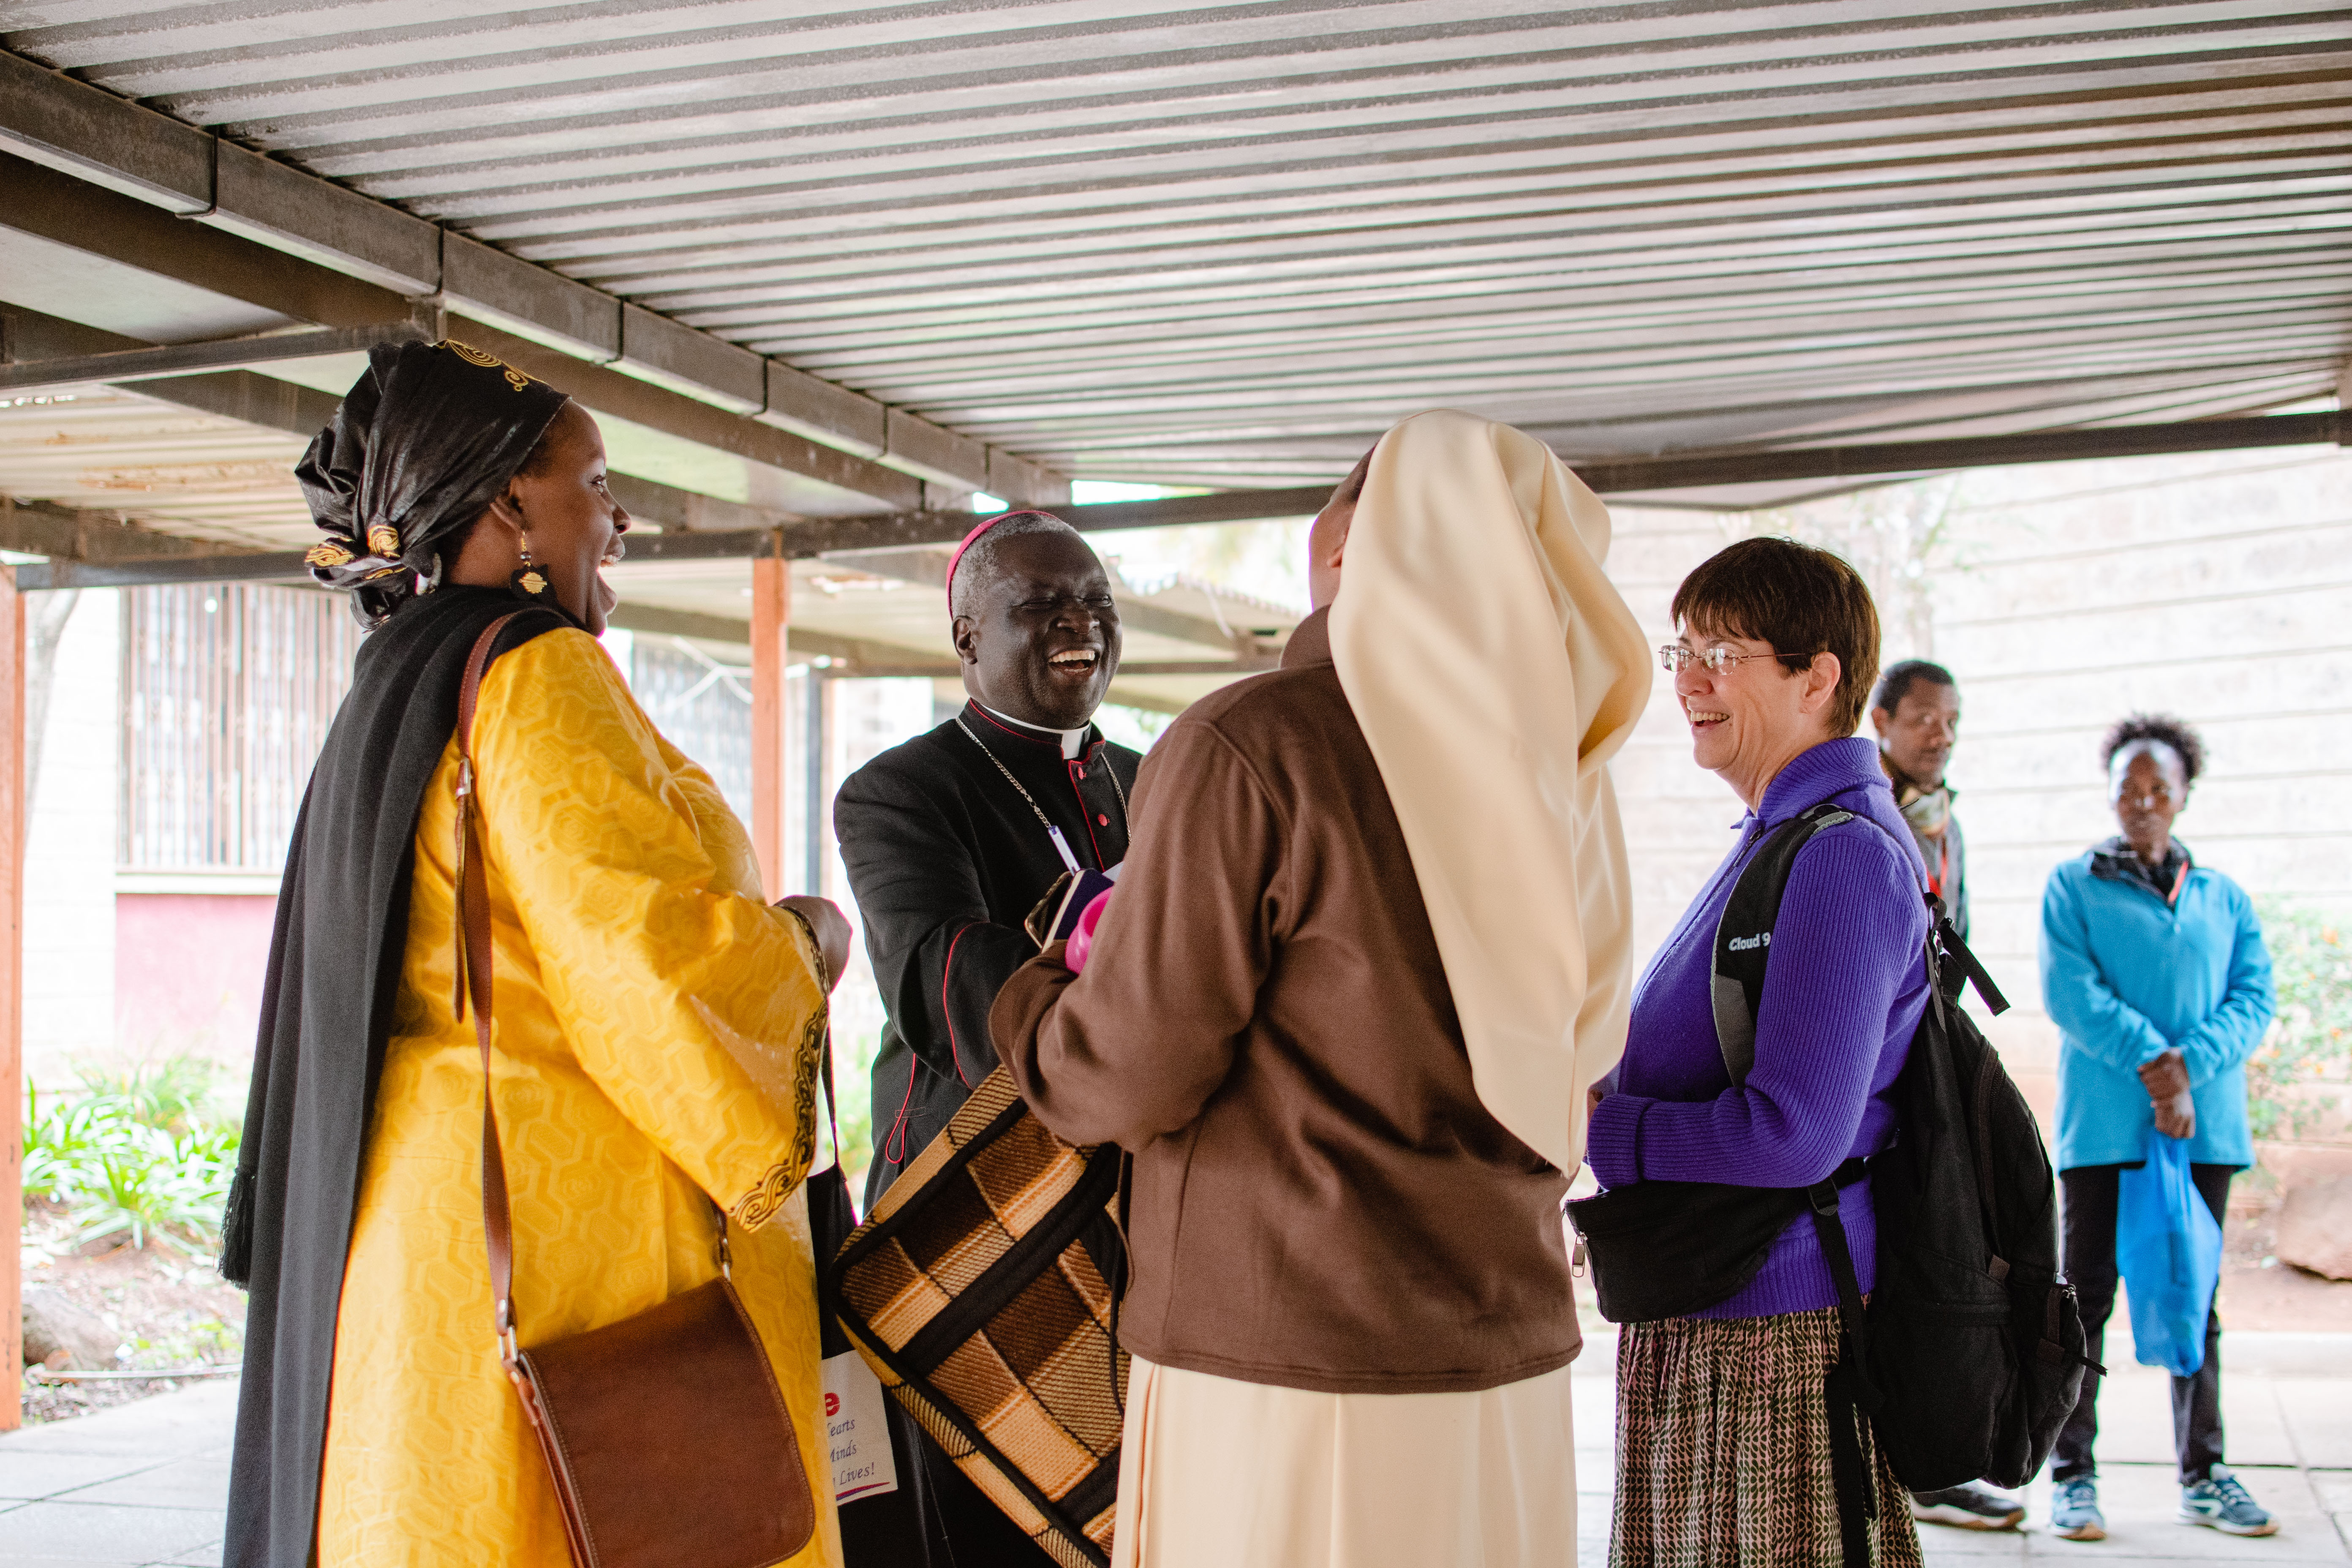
pixel 1667 1250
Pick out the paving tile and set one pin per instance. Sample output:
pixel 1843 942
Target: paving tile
pixel 163 1427
pixel 2136 1416
pixel 182 1483
pixel 2139 1502
pixel 2318 1412
pixel 2253 1423
pixel 25 1476
pixel 106 1533
pixel 147 1482
pixel 1950 1543
pixel 2135 1411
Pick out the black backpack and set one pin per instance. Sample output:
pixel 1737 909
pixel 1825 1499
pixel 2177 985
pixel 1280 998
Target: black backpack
pixel 1971 1352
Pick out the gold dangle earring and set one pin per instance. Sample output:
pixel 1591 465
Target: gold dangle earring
pixel 529 584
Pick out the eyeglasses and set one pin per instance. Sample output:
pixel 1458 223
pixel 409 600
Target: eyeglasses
pixel 1673 659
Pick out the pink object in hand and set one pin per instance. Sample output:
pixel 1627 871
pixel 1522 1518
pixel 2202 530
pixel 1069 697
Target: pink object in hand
pixel 1082 938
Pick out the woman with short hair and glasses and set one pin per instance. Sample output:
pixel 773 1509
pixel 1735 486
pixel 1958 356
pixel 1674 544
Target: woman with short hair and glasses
pixel 1724 1428
pixel 2154 970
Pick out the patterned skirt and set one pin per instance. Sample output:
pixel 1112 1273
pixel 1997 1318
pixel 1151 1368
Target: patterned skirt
pixel 1723 1449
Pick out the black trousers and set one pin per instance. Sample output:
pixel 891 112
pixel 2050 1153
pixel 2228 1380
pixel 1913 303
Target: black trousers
pixel 2088 1217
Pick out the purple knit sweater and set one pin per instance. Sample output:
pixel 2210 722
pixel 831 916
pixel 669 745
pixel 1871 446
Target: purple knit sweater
pixel 1842 996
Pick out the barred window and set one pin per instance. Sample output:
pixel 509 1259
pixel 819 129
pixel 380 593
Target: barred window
pixel 228 692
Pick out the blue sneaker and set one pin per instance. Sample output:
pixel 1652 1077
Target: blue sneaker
pixel 2074 1510
pixel 2221 1501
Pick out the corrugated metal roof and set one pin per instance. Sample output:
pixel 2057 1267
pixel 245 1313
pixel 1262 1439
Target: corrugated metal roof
pixel 130 456
pixel 198 476
pixel 1225 245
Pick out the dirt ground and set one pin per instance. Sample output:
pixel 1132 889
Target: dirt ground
pixel 172 1311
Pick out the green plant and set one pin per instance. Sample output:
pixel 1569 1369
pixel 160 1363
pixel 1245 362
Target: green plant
pixel 175 1094
pixel 2310 1041
pixel 134 1156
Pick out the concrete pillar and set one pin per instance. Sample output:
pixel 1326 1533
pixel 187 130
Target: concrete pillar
pixel 771 614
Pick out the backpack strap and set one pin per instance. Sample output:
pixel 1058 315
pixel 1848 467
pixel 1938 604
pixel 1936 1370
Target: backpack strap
pixel 1946 945
pixel 1851 1398
pixel 1743 934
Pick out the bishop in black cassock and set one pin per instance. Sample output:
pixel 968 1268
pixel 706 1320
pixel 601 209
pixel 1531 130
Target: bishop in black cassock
pixel 951 839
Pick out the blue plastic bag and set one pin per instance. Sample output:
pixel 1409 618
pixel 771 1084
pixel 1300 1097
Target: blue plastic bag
pixel 2169 1250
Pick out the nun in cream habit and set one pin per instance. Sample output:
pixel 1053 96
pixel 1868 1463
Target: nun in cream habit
pixel 1371 947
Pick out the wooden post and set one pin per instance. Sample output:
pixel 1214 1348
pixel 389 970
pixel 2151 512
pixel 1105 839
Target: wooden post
pixel 12 997
pixel 772 615
pixel 814 695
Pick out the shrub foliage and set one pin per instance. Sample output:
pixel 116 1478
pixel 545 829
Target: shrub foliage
pixel 2310 1043
pixel 137 1155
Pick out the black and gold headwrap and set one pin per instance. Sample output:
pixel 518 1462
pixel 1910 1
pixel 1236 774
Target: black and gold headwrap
pixel 420 445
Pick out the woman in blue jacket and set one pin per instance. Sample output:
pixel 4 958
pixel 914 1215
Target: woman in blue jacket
pixel 2154 970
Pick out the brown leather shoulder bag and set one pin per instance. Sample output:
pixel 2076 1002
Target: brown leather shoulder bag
pixel 665 1434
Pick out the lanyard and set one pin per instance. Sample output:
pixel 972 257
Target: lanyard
pixel 1061 844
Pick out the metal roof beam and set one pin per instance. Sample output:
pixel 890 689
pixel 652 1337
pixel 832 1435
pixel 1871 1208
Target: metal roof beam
pixel 853 653
pixel 50 119
pixel 385 315
pixel 281 406
pixel 930 568
pixel 41 528
pixel 118 366
pixel 240 566
pixel 837 536
pixel 860 658
pixel 1892 459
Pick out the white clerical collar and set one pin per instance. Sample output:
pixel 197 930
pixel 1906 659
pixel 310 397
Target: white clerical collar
pixel 1074 742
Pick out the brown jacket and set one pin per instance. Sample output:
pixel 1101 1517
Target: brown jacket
pixel 1320 1199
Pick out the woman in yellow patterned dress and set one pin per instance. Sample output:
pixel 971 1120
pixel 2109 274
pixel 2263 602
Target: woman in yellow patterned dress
pixel 656 1024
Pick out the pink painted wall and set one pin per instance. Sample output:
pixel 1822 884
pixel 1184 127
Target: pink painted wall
pixel 187 971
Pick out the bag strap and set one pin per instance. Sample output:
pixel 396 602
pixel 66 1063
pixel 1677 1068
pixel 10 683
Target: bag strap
pixel 1851 1398
pixel 832 1116
pixel 1743 940
pixel 1743 934
pixel 1943 940
pixel 473 984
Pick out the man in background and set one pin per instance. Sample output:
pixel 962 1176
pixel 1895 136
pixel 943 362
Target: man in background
pixel 1917 712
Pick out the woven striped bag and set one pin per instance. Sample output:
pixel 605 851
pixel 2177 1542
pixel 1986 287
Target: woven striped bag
pixel 979 1291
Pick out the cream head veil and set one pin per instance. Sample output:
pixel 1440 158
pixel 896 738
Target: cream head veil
pixel 1494 672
